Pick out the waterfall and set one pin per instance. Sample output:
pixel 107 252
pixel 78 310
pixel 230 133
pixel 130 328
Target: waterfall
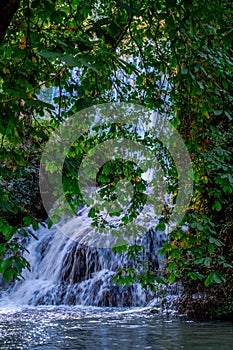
pixel 64 271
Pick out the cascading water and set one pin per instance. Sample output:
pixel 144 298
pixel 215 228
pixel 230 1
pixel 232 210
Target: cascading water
pixel 64 271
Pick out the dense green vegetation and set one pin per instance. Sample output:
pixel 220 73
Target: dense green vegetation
pixel 190 44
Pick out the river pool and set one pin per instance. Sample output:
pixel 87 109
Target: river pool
pixel 53 328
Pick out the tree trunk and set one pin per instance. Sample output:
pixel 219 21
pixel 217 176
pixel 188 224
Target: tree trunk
pixel 7 11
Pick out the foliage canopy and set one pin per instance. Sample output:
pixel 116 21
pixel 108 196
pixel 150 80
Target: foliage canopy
pixel 173 56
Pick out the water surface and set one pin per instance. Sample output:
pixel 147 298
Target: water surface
pixel 52 328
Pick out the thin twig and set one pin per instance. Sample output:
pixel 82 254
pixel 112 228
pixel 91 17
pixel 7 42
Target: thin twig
pixel 35 87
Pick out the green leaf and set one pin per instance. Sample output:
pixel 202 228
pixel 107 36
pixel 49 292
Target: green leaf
pixel 172 278
pixel 207 261
pixel 210 279
pixel 128 280
pixel 50 223
pixel 120 249
pixel 50 55
pixel 5 264
pixel 184 71
pixel 131 271
pixel 216 241
pixel 19 266
pixel 35 224
pixel 199 261
pixel 219 277
pixel 70 60
pixel 228 115
pixel 9 274
pixel 88 65
pixel 27 220
pixel 214 277
pixel 92 213
pixel 211 248
pixel 217 206
pixel 195 275
pixel 161 226
pixel 160 280
pixel 218 112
